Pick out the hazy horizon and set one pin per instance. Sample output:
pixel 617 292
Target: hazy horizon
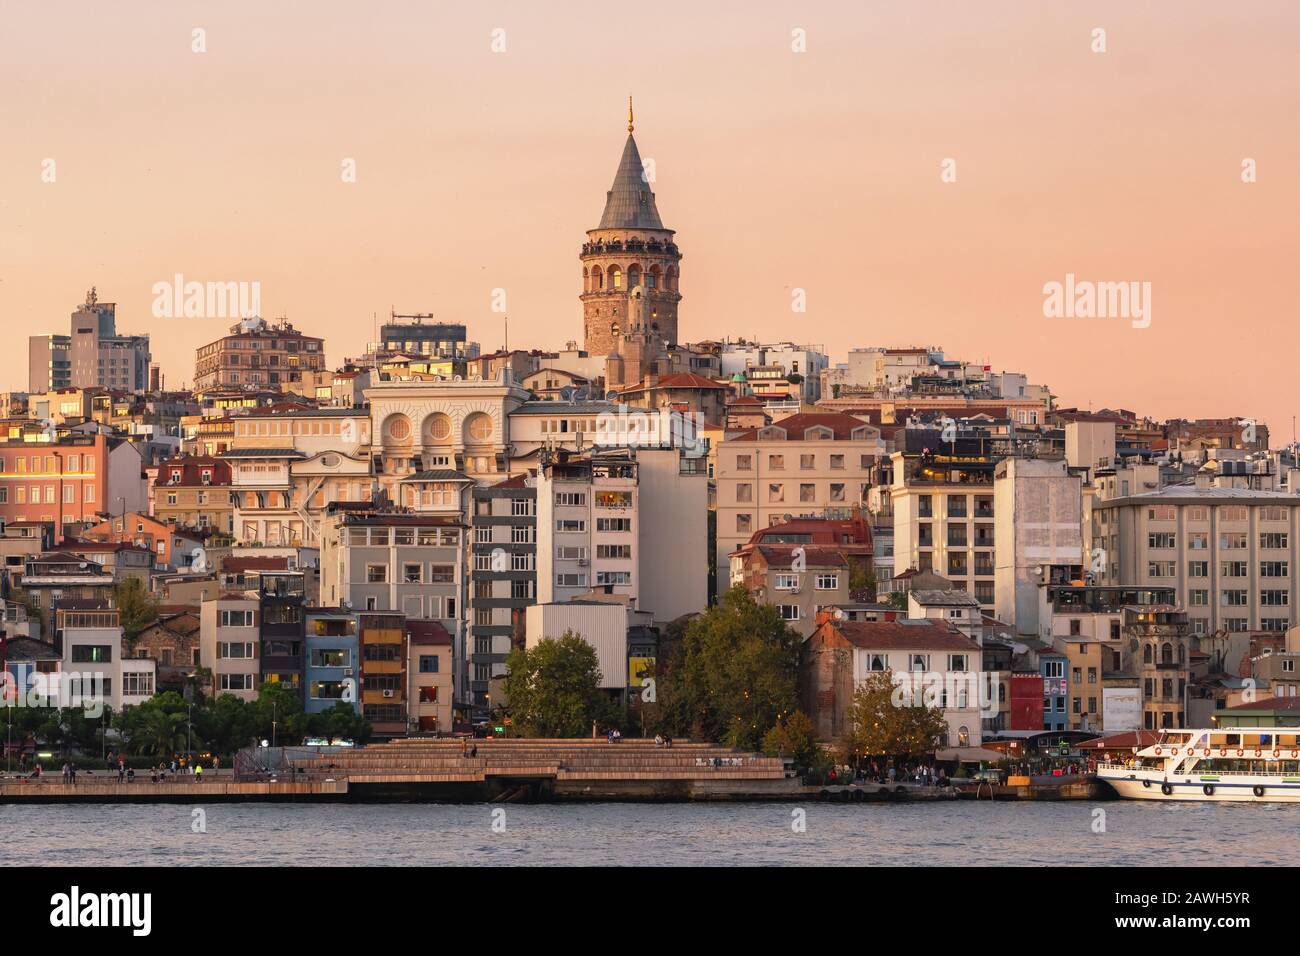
pixel 481 170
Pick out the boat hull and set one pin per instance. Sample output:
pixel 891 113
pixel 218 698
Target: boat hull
pixel 1141 784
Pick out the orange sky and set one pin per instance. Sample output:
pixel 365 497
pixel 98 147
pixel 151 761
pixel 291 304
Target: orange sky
pixel 821 170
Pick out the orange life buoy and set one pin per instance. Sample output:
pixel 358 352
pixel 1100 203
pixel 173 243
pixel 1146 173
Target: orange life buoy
pixel 1258 752
pixel 1205 752
pixel 1223 752
pixel 1157 751
pixel 1294 754
pixel 1277 753
pixel 1174 752
pixel 1241 753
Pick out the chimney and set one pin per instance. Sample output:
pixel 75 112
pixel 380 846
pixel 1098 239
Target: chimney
pixel 823 617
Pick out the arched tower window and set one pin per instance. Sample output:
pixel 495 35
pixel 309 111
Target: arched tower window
pixel 615 277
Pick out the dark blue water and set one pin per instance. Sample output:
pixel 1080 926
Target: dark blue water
pixel 939 834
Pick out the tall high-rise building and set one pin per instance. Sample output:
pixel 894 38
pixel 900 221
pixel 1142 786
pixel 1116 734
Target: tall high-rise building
pixel 91 355
pixel 629 255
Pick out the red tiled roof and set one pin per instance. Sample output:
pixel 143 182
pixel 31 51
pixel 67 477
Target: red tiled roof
pixel 897 635
pixel 783 557
pixel 1269 703
pixel 796 426
pixel 427 633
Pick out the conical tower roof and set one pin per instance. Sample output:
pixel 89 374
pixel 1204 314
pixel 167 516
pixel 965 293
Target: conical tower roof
pixel 630 204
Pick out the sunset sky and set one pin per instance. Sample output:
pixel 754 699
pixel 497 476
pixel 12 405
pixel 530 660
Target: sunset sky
pixel 779 170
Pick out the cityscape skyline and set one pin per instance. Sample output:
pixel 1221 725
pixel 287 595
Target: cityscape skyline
pixel 902 258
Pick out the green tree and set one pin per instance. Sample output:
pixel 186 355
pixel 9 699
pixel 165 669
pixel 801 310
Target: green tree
pixel 277 715
pixel 733 673
pixel 340 722
pixel 793 737
pixel 554 689
pixel 885 723
pixel 136 607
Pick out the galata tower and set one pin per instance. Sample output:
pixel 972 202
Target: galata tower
pixel 630 249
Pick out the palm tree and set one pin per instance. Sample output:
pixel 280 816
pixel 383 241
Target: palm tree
pixel 162 735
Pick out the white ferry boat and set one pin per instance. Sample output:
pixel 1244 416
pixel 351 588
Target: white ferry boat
pixel 1257 764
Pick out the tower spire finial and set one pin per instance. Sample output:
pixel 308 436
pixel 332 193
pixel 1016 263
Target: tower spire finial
pixel 629 114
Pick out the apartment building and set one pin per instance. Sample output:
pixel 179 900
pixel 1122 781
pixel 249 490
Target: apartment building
pixel 258 353
pixel 385 653
pixel 840 655
pixel 194 492
pixel 587 526
pixel 230 644
pixel 800 365
pixel 332 662
pixel 281 629
pixel 944 519
pixel 503 574
pixel 174 549
pixel 288 463
pixel 399 561
pixel 95 671
pixel 1128 655
pixel 1038 526
pixel 430 668
pixel 71 481
pixel 1230 554
pixel 806 465
pixel 804 565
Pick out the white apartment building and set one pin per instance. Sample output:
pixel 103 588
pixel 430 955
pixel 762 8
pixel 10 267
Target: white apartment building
pixel 1230 554
pixel 94 671
pixel 806 361
pixel 1038 525
pixel 587 527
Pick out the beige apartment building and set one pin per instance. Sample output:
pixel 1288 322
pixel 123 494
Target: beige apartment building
pixel 1228 553
pixel 813 465
pixel 944 520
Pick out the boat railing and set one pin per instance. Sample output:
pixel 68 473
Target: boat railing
pixel 1206 772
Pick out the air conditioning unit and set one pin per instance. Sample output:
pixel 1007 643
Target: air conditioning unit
pixel 795 589
pixel 347 672
pixel 389 693
pixel 583 562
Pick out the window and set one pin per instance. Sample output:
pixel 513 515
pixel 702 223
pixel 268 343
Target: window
pixel 827 582
pixel 1161 539
pixel 1274 598
pixel 376 573
pixel 1272 540
pixel 236 650
pixel 807 462
pixel 957 662
pixel 837 491
pixel 1233 541
pixel 918 662
pixel 1198 569
pixel 744 493
pixel 92 653
pixel 1274 569
pixel 1233 598
pixel 570 499
pixel 236 619
pixel 744 463
pixel 413 573
pixel 1233 569
pixel 776 462
pixel 807 493
pixel 613 524
pixel 570 525
pixel 236 681
pixel 137 683
pixel 428 663
pixel 614 499
pixel 837 462
pixel 613 577
pixel 789 612
pixel 785 582
pixel 1160 569
pixel 744 524
pixel 775 493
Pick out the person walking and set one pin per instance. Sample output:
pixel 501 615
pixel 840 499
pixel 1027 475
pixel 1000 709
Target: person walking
pixel 198 772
